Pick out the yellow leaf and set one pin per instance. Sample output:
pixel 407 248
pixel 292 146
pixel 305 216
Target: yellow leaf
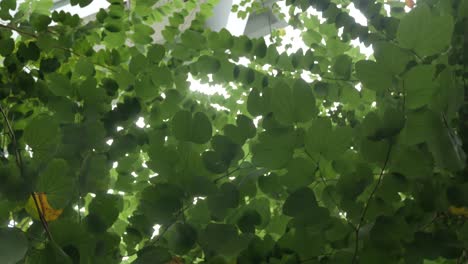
pixel 458 211
pixel 50 214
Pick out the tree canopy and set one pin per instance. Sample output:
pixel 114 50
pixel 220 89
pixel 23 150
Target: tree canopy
pixel 314 155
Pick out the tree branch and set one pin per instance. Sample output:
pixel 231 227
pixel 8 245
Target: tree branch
pixel 19 163
pixel 364 211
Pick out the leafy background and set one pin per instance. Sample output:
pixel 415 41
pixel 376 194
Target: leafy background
pixel 316 155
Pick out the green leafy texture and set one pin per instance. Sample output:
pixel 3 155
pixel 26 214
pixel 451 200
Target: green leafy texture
pixel 138 63
pixel 322 138
pixel 421 25
pixel 227 197
pixel 181 238
pixel 156 255
pixel 103 212
pixel 301 172
pixel 6 46
pixel 304 241
pixel 373 75
pixel 274 149
pixel 59 84
pixel 375 127
pixel 84 68
pixel 419 86
pixel 342 66
pixel 160 203
pixel 392 57
pixel 232 243
pixel 293 105
pixel 284 179
pixel 57 183
pixel 95 175
pixel 43 135
pixel 196 129
pixel 156 53
pixel 299 202
pixel 207 64
pixel 13 245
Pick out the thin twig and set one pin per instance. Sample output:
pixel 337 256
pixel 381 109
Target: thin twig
pixel 231 172
pixel 364 211
pixel 19 163
pixel 19 31
pixel 40 212
pixel 160 235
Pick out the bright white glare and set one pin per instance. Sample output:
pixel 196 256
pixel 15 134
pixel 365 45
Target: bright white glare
pixel 196 85
pixel 358 87
pixel 140 122
pixel 220 107
pixel 92 195
pixel 342 215
pixel 134 174
pixel 256 120
pixel 243 61
pixel 374 104
pixel 153 175
pixel 156 231
pixel 144 165
pixel 119 128
pixel 110 191
pixel 357 15
pixel 115 164
pixel 306 76
pixel 12 223
pixel 387 9
pixel 236 25
pixel 109 142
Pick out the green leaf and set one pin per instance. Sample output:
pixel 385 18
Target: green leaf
pixel 42 134
pixel 299 202
pixel 151 254
pixel 181 238
pixel 293 105
pixel 196 129
pixel 84 67
pixel 57 183
pixel 323 139
pixel 156 53
pixel 392 57
pixel 419 86
pixel 421 25
pixel 301 172
pixel 95 177
pixel 233 243
pixel 160 203
pixel 13 245
pixel 274 149
pixel 103 211
pixel 342 66
pixel 138 63
pixel 207 64
pixel 59 84
pixel 6 46
pixel 373 75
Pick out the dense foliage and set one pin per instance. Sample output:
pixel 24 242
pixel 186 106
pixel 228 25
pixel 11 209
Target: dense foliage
pixel 362 163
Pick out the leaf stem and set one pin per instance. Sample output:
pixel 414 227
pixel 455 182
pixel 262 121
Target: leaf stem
pixel 19 31
pixel 364 211
pixel 19 163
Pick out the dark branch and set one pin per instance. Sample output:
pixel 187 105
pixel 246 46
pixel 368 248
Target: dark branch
pixel 364 211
